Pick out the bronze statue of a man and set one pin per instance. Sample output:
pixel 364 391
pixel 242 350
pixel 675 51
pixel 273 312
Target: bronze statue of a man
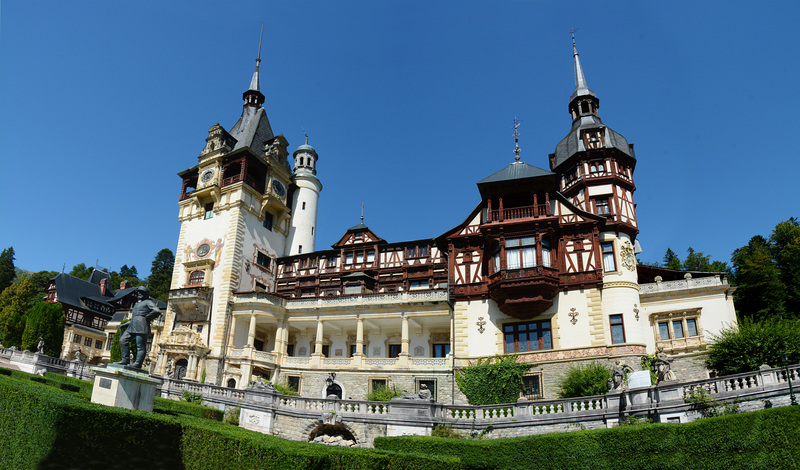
pixel 138 329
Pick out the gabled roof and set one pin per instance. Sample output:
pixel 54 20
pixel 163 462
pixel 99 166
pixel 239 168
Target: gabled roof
pixel 515 171
pixel 72 290
pixel 368 238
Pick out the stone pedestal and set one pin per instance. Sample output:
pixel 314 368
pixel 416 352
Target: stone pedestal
pixel 115 386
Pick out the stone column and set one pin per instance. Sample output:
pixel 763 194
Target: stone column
pixel 402 360
pixel 278 347
pixel 191 367
pixel 251 333
pixel 316 358
pixel 360 337
pixel 161 363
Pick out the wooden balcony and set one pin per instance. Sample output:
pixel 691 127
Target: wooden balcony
pixel 524 212
pixel 524 293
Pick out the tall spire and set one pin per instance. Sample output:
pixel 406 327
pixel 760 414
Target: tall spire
pixel 581 89
pixel 253 97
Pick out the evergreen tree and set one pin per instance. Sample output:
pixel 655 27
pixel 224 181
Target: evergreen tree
pixel 45 320
pixel 7 269
pixel 161 274
pixel 785 251
pixel 40 281
pixel 13 308
pixel 128 273
pixel 759 292
pixel 671 260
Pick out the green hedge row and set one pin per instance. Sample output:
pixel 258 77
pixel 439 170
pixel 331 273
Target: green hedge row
pixel 46 428
pixel 185 408
pixel 767 439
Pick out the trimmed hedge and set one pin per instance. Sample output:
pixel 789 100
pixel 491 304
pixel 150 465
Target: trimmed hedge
pixel 166 406
pixel 768 439
pixel 44 427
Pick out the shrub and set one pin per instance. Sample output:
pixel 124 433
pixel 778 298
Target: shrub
pixel 384 393
pixel 585 380
pixel 191 397
pixel 745 347
pixel 285 389
pixel 440 430
pixel 174 407
pixel 493 381
pixel 702 401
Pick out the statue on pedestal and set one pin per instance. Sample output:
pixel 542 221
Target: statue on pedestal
pixel 138 329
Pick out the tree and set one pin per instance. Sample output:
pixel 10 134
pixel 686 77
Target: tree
pixel 161 274
pixel 671 260
pixel 40 281
pixel 45 320
pixel 785 251
pixel 7 270
pixel 127 272
pixel 746 346
pixel 116 353
pixel 700 262
pixel 759 292
pixel 13 308
pixel 81 271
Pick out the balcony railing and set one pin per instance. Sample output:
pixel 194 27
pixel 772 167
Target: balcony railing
pixel 525 212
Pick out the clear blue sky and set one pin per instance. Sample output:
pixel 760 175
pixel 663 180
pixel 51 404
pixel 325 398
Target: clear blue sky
pixel 408 104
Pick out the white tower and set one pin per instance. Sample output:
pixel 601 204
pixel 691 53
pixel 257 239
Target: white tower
pixel 305 200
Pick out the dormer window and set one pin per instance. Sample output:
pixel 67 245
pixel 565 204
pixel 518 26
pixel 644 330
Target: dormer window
pixel 593 139
pixel 597 167
pixel 358 235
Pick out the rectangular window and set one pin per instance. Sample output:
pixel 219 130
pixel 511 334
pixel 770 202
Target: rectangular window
pixel 529 336
pixel 209 210
pixel 602 206
pixel 263 260
pixel 359 257
pixel 677 328
pixel 691 327
pixel 520 253
pixel 609 263
pixel 394 350
pixel 545 253
pixel 290 350
pixel 348 258
pixel 617 329
pixel 430 385
pixel 268 221
pixel 418 252
pixel 98 344
pixel 440 349
pixel 663 330
pixel 370 256
pixel 332 262
pixel 532 386
pixel 422 284
pixel 293 381
pixel 77 338
pixel 87 341
pixel 375 384
pixel 326 350
pixel 109 340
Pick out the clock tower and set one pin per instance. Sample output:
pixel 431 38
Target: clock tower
pixel 235 221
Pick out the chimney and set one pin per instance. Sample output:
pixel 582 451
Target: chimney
pixel 103 286
pixel 124 284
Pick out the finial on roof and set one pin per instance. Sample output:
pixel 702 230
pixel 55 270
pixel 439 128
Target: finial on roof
pixel 580 80
pixel 516 139
pixel 362 212
pixel 255 83
pixel 306 134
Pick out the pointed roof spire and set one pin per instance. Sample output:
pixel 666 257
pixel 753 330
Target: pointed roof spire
pixel 255 83
pixel 516 139
pixel 253 96
pixel 581 89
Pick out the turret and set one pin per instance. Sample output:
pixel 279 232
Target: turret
pixel 302 231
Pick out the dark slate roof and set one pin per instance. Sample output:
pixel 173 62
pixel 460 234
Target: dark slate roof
pixel 252 129
pixel 573 143
pixel 515 171
pixel 71 290
pixel 360 226
pixel 98 275
pixel 121 293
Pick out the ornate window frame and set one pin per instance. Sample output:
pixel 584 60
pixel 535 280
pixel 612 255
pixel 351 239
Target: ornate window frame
pixel 686 343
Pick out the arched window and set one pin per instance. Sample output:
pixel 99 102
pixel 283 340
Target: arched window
pixel 231 383
pixel 196 278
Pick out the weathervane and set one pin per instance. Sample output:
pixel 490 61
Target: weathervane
pixel 260 37
pixel 362 212
pixel 306 134
pixel 516 138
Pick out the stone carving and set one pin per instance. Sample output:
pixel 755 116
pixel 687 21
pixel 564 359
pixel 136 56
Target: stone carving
pixel 423 395
pixel 138 329
pixel 628 257
pixel 258 383
pixel 636 311
pixel 419 351
pixel 663 369
pixel 618 375
pixel 40 346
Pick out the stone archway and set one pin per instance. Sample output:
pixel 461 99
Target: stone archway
pixel 334 389
pixel 333 434
pixel 180 369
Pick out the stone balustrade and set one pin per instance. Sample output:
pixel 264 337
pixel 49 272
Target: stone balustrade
pixel 662 402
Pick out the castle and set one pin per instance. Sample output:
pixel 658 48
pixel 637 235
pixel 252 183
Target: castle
pixel 543 267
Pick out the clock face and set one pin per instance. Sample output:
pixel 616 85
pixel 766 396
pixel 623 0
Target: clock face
pixel 278 187
pixel 207 175
pixel 203 250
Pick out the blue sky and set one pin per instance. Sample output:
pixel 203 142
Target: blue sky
pixel 408 104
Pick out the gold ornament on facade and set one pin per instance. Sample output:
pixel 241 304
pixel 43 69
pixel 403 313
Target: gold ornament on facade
pixel 628 258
